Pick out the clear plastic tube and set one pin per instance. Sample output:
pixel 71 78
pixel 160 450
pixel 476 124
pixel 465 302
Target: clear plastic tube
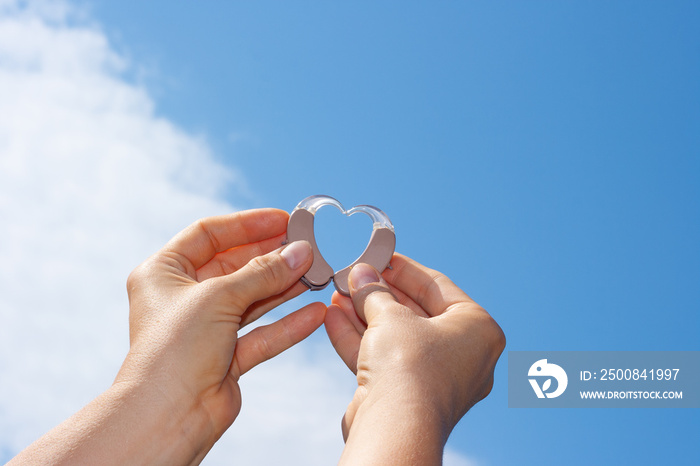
pixel 313 203
pixel 379 218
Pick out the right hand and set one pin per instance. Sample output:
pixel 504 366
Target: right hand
pixel 413 338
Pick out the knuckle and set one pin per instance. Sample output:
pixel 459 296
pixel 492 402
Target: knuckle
pixel 266 270
pixel 134 279
pixel 264 349
pixel 486 389
pixel 493 333
pixel 375 292
pixel 203 226
pixel 431 286
pixel 498 337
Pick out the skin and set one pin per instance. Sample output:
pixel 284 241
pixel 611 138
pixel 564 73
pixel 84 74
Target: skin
pixel 424 353
pixel 177 391
pixel 422 350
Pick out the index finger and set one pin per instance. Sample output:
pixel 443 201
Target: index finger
pixel 428 288
pixel 205 238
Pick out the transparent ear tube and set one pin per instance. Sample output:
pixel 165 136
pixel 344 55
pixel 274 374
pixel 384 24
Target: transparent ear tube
pixel 380 219
pixel 313 203
pixel 378 252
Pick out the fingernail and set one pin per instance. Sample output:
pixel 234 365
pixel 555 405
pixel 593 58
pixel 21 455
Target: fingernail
pixel 363 274
pixel 296 253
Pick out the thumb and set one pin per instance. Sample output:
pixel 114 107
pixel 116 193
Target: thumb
pixel 269 274
pixel 370 294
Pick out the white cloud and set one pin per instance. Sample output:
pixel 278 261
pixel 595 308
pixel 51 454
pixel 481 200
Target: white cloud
pixel 454 458
pixel 92 181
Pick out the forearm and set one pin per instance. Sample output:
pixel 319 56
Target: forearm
pixel 127 424
pixel 395 431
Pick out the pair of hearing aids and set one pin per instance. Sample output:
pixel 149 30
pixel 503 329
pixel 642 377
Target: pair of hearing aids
pixel 377 253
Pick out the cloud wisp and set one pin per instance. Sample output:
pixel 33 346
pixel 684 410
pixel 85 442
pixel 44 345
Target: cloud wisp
pixel 92 181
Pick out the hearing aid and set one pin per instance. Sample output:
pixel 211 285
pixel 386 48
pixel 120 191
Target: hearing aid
pixel 378 252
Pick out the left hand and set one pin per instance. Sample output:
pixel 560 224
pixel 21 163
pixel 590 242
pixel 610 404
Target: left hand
pixel 188 301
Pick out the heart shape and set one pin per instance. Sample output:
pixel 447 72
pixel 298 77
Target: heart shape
pixel 341 239
pixel 377 253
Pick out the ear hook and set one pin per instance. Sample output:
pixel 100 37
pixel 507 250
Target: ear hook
pixel 379 218
pixel 313 203
pixel 378 252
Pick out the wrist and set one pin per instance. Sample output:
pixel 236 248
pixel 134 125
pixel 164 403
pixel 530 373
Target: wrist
pixel 397 426
pixel 172 418
pixel 161 429
pixel 127 424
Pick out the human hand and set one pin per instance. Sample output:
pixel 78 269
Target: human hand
pixel 424 357
pixel 188 301
pixel 177 391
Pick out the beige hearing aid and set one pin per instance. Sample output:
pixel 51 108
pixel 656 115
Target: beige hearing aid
pixel 377 253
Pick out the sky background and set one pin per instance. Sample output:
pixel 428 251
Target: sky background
pixel 543 155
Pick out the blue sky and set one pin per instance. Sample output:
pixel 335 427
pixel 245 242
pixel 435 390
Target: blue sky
pixel 544 155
